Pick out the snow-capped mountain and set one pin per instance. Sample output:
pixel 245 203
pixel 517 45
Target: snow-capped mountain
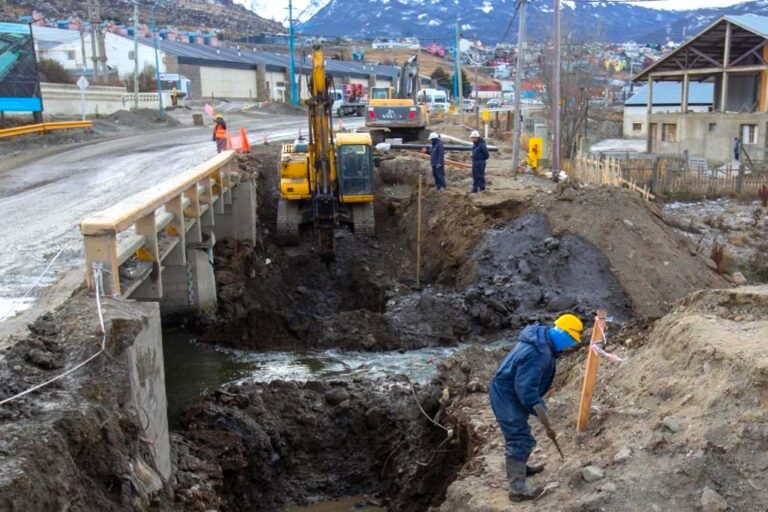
pixel 691 22
pixel 491 20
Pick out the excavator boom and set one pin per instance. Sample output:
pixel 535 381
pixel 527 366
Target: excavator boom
pixel 327 179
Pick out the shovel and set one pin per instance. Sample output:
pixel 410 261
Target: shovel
pixel 553 437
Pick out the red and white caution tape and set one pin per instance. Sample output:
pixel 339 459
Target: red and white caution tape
pixel 597 349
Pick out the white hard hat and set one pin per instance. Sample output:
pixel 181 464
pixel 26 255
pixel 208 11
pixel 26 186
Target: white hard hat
pixel 474 133
pixel 433 135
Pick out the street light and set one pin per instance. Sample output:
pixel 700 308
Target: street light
pixel 156 36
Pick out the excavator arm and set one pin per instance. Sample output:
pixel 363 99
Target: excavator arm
pixel 322 156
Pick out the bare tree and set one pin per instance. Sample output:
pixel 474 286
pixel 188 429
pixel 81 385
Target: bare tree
pixel 579 83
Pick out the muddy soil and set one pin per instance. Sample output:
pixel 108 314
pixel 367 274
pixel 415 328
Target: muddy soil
pixel 264 445
pixel 653 264
pixel 488 267
pixel 522 274
pixel 76 444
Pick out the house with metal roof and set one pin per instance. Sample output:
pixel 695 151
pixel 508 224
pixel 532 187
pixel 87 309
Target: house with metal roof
pixel 731 54
pixel 667 97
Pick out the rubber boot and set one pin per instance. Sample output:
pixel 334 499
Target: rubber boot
pixel 518 489
pixel 533 469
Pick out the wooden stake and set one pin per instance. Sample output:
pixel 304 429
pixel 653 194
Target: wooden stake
pixel 590 374
pixel 418 235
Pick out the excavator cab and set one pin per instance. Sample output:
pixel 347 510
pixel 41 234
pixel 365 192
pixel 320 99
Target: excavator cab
pixel 355 167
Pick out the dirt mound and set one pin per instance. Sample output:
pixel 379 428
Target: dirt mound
pixel 681 423
pixel 265 445
pixel 142 119
pixel 521 273
pixel 654 265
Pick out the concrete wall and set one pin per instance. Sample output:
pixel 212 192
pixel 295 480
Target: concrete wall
pixel 227 83
pixel 147 387
pixel 119 52
pixel 278 84
pixel 193 73
pixel 64 99
pixel 707 134
pixel 638 114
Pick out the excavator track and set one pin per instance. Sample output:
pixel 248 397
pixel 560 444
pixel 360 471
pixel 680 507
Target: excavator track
pixel 287 222
pixel 363 219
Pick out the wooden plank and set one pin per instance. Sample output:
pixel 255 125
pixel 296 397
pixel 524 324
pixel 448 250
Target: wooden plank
pixel 590 373
pixel 194 234
pixel 102 249
pixel 128 246
pixel 152 287
pixel 177 229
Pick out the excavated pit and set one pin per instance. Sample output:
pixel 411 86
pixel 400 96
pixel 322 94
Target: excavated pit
pixel 491 264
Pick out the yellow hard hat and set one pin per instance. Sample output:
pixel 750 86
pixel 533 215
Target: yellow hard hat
pixel 218 116
pixel 572 325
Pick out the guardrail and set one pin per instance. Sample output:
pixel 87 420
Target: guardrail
pixel 44 127
pixel 165 219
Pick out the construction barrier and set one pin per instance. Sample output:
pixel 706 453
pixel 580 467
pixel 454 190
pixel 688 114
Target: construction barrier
pixel 44 127
pixel 169 215
pixel 239 143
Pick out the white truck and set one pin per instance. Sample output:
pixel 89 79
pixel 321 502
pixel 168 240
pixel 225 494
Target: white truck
pixel 349 101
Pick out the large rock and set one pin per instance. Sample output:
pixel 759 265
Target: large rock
pixel 711 501
pixel 592 474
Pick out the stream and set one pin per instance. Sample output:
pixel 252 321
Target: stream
pixel 192 369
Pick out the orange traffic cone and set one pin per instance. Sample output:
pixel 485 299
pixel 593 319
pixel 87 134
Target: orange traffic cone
pixel 245 144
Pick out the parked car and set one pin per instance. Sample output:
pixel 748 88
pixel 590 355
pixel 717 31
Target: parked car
pixel 469 105
pixel 493 103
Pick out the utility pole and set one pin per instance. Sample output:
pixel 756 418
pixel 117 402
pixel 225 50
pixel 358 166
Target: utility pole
pixel 518 86
pixel 136 54
pixel 477 97
pixel 556 98
pixel 156 36
pixel 459 76
pixel 294 93
pixel 93 21
pixel 456 62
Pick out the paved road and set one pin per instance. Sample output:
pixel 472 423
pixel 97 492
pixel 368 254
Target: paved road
pixel 42 202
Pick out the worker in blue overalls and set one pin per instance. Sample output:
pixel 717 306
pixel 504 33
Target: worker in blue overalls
pixel 516 391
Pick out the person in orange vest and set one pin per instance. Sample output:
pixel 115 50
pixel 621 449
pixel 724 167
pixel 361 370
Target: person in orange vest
pixel 220 133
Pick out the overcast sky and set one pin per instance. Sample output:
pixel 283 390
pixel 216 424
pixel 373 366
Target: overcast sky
pixel 277 9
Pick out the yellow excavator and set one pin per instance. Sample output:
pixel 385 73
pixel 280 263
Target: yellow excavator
pixel 394 112
pixel 326 180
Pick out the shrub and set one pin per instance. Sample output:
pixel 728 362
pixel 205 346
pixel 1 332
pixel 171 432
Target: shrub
pixel 50 70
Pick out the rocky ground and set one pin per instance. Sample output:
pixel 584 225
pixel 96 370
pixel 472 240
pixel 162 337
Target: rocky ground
pixel 740 228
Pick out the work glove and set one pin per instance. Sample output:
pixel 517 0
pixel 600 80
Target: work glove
pixel 541 413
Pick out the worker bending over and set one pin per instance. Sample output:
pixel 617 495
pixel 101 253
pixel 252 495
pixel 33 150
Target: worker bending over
pixel 220 133
pixel 479 157
pixel 516 391
pixel 437 158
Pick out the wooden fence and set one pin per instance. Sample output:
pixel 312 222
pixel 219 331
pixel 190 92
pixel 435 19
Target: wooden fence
pixel 603 172
pixel 666 178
